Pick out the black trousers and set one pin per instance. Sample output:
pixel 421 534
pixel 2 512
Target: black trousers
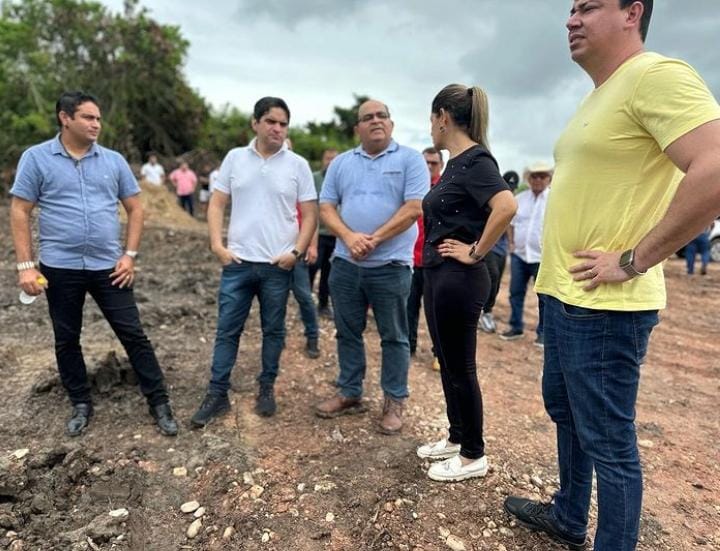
pixel 413 306
pixel 496 267
pixel 66 298
pixel 454 298
pixel 326 246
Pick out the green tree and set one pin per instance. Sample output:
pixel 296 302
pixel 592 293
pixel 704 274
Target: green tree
pixel 130 62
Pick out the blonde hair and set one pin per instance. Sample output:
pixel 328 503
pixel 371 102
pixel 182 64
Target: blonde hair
pixel 468 108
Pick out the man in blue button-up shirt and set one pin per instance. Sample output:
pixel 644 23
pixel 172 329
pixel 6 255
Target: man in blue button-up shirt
pixel 77 185
pixel 371 199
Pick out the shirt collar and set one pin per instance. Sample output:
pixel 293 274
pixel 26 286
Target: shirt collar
pixel 391 148
pixel 57 148
pixel 253 147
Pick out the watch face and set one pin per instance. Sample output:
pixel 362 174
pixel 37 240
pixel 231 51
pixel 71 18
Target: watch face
pixel 626 258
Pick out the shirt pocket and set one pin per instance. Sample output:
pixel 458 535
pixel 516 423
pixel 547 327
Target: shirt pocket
pixel 394 181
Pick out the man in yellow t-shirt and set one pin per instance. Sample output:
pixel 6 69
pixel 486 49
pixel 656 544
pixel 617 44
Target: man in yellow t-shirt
pixel 637 176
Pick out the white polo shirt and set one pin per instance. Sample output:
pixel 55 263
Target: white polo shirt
pixel 264 197
pixel 153 174
pixel 528 225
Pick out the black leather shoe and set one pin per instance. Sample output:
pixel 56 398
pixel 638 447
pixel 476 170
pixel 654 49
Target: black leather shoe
pixel 265 403
pixel 538 516
pixel 163 415
pixel 212 406
pixel 79 419
pixel 311 349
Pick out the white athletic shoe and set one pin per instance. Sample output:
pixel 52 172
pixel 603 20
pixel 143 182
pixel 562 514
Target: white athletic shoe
pixel 453 470
pixel 487 323
pixel 442 449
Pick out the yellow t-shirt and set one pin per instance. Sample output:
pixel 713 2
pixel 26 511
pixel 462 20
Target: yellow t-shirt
pixel 612 181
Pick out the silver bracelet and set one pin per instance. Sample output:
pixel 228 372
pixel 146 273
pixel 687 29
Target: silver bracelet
pixel 27 265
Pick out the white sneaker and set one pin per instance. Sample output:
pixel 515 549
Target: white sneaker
pixel 487 323
pixel 453 470
pixel 442 449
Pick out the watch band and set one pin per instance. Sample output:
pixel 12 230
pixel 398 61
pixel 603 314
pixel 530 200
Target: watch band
pixel 131 254
pixel 626 263
pixel 27 265
pixel 297 254
pixel 471 253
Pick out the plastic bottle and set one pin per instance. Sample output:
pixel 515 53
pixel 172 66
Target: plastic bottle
pixel 29 299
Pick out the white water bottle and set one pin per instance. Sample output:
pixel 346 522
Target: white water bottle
pixel 29 299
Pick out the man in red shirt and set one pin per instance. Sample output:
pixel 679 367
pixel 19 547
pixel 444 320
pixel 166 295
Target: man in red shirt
pixel 184 180
pixel 434 161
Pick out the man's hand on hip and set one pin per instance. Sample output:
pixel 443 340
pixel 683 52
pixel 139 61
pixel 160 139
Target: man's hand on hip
pixel 286 261
pixel 225 256
pixel 598 267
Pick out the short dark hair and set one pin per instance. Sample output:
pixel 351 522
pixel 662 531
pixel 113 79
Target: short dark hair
pixel 70 101
pixel 263 106
pixel 431 151
pixel 647 14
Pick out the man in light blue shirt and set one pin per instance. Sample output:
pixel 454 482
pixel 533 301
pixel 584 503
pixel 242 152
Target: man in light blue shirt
pixel 77 185
pixel 378 186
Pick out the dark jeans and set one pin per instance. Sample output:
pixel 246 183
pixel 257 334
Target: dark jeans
pixel 701 244
pixel 496 267
pixel 66 298
pixel 454 298
pixel 303 295
pixel 520 274
pixel 590 385
pixel 386 288
pixel 413 306
pixel 186 202
pixel 326 246
pixel 239 283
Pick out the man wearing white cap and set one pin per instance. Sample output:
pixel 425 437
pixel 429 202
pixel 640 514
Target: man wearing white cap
pixel 525 246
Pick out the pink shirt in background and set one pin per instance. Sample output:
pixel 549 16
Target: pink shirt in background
pixel 184 181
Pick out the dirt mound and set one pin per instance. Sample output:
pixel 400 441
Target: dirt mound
pixel 162 210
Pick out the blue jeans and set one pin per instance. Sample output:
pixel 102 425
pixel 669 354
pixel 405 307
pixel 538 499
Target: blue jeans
pixel 386 288
pixel 701 244
pixel 238 285
pixel 303 295
pixel 590 385
pixel 520 274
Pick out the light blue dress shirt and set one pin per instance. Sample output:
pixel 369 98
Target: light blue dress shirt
pixel 78 200
pixel 370 190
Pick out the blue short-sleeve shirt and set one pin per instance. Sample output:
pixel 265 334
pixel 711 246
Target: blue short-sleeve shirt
pixel 78 201
pixel 370 190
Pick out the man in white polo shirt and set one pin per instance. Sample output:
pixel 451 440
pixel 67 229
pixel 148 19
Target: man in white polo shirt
pixel 152 171
pixel 265 183
pixel 525 239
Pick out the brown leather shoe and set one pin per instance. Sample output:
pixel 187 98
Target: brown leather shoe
pixel 339 405
pixel 391 422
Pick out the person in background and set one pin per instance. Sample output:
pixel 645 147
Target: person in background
pixel 434 161
pixel 465 213
pixel 701 245
pixel 525 244
pixel 77 184
pixel 326 245
pixel 185 180
pixel 637 175
pixel 152 171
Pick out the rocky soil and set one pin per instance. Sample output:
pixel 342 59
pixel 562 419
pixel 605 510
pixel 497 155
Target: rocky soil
pixel 297 482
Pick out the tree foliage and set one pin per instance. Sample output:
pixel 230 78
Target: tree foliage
pixel 130 62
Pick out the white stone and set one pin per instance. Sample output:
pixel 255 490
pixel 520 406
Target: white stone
pixel 646 443
pixel 256 491
pixel 19 454
pixel 455 543
pixel 444 532
pixel 265 537
pixel 329 517
pixel 121 514
pixel 179 471
pixel 194 528
pixel 200 512
pixel 228 533
pixel 325 486
pixel 189 506
pixel 248 479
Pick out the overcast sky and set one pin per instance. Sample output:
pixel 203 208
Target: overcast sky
pixel 317 53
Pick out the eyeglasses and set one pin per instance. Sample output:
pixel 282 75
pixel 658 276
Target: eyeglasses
pixel 540 175
pixel 380 115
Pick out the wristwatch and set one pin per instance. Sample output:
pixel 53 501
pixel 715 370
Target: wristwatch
pixel 27 265
pixel 297 254
pixel 131 254
pixel 626 263
pixel 471 253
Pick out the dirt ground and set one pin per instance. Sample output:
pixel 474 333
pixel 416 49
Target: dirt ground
pixel 297 482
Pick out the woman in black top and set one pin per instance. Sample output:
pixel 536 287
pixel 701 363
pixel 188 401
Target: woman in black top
pixel 464 214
